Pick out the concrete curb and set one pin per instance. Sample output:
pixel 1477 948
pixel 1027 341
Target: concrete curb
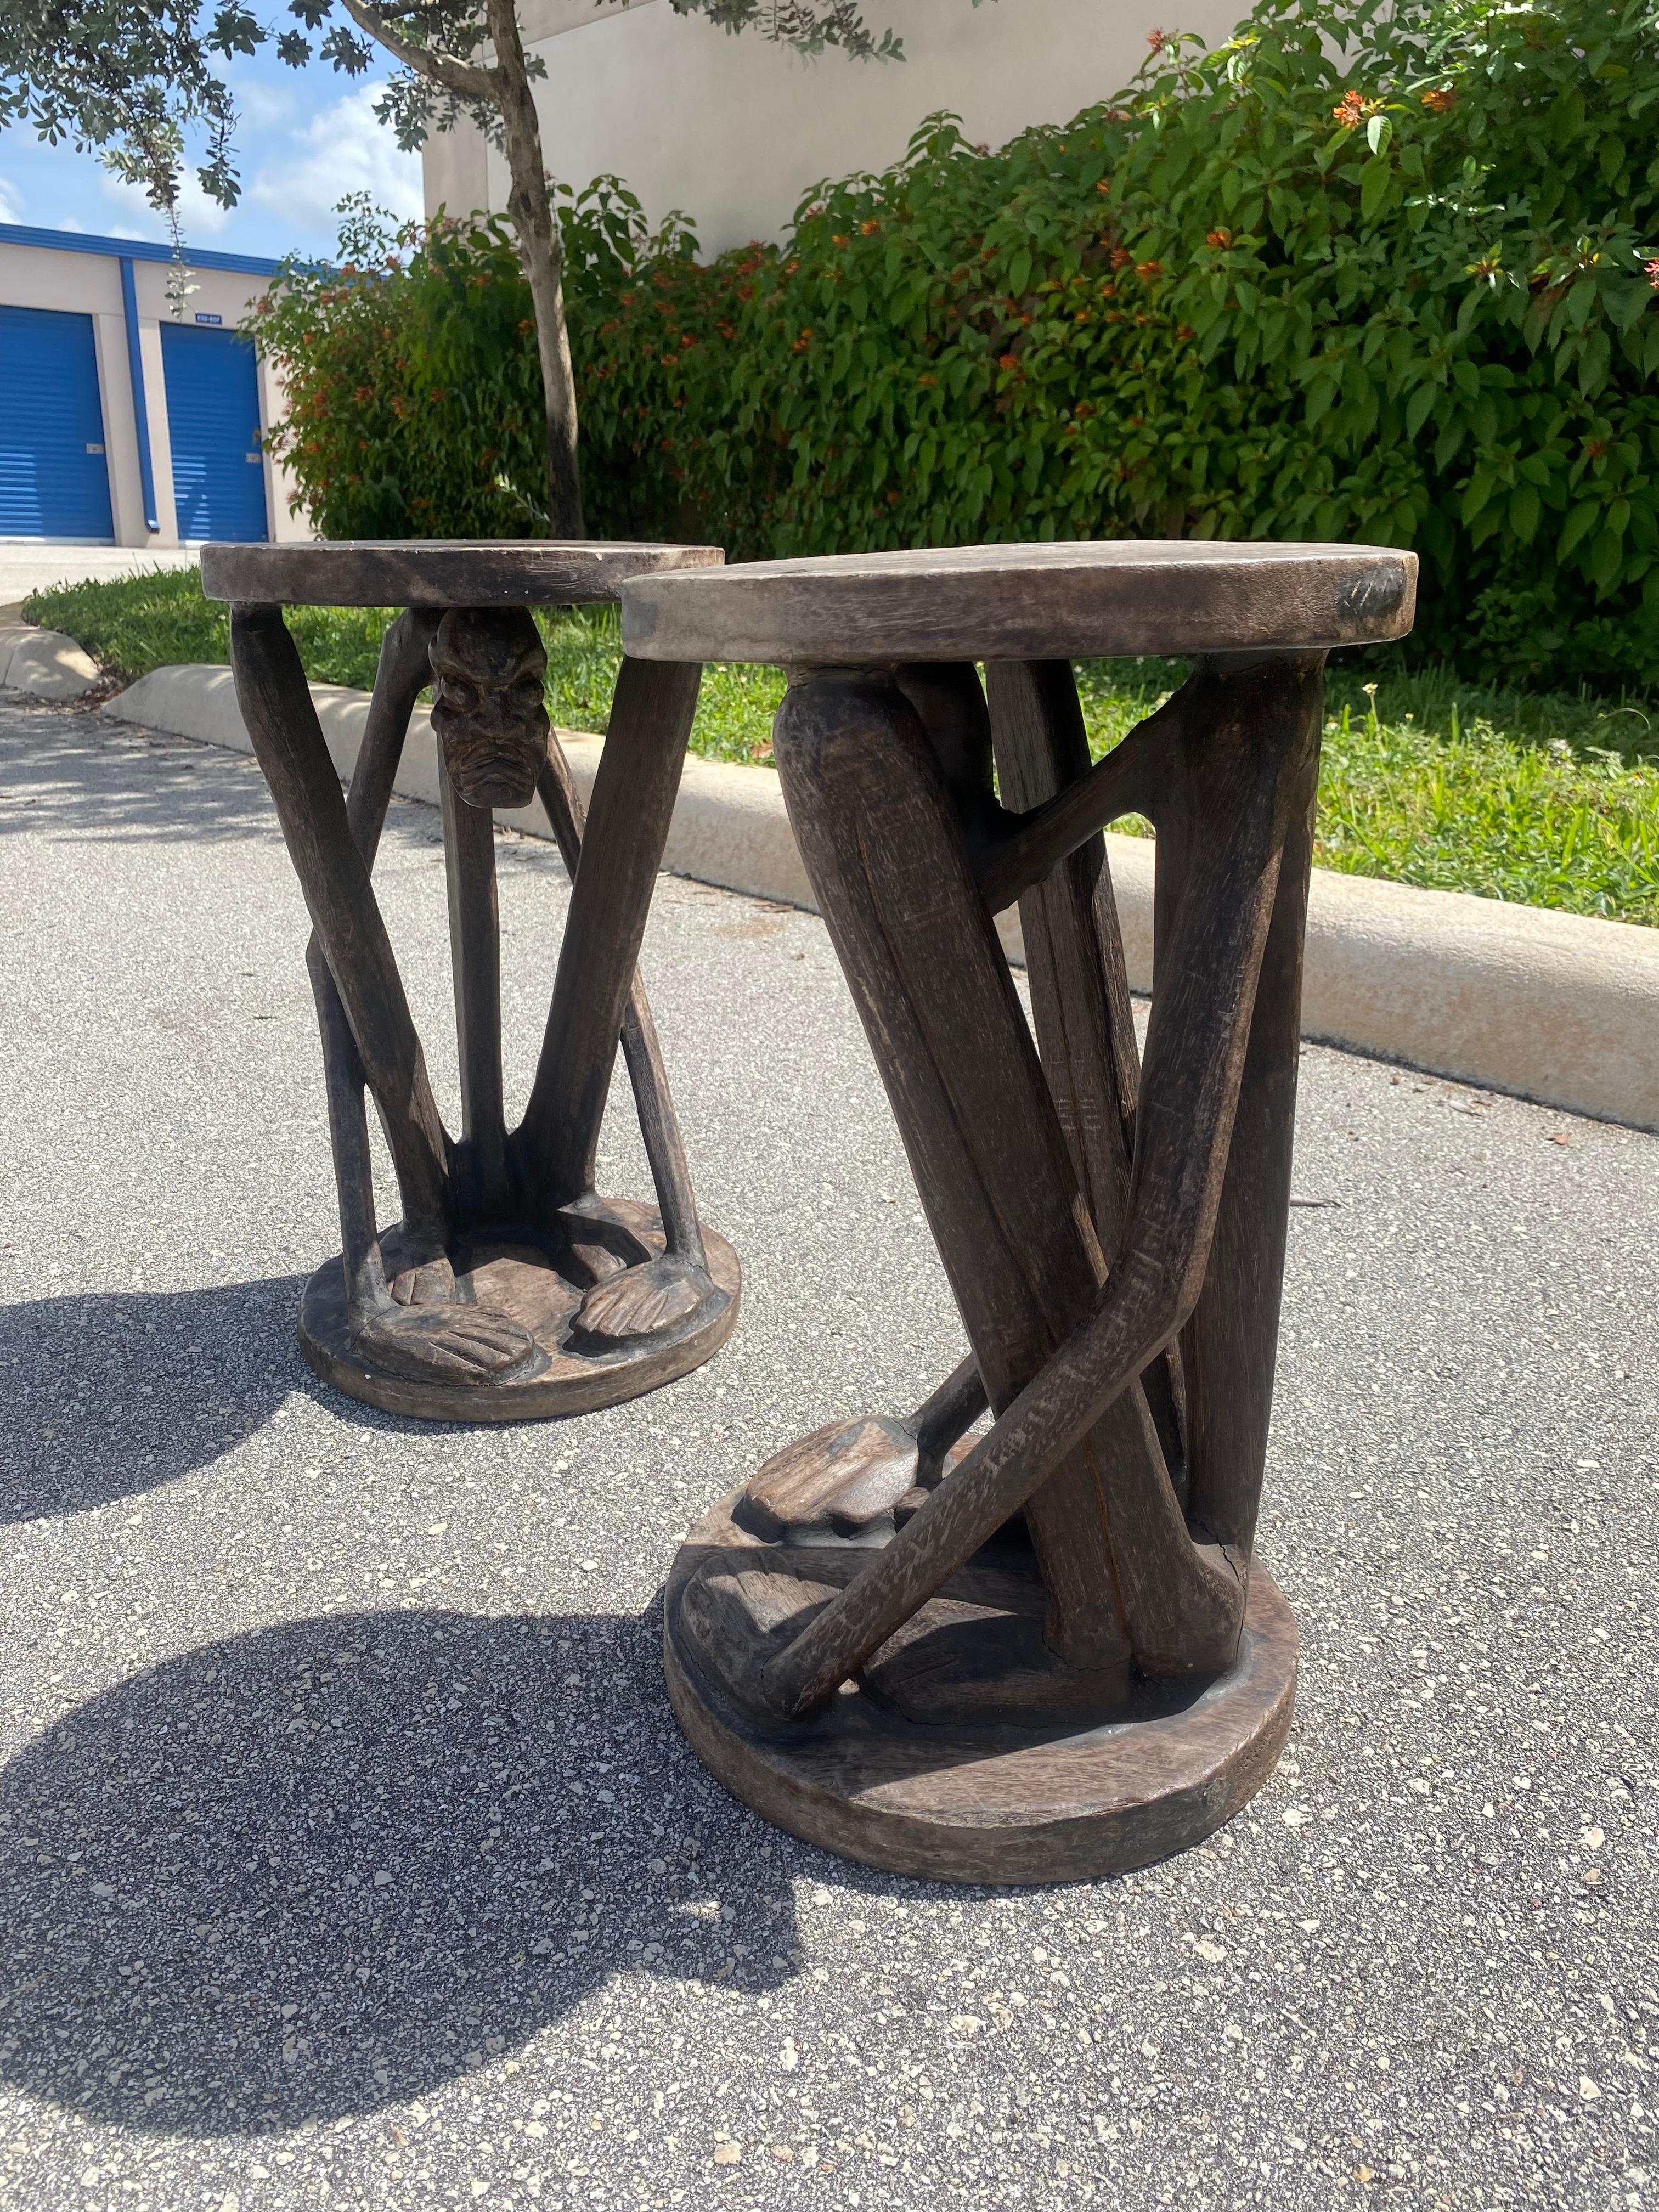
pixel 45 663
pixel 1553 1006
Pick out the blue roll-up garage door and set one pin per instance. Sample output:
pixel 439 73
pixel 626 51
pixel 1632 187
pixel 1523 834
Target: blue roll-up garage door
pixel 213 424
pixel 54 479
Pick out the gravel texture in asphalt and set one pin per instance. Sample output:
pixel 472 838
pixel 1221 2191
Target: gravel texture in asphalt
pixel 349 1852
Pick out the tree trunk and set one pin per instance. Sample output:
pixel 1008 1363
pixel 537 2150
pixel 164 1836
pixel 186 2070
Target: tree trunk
pixel 531 215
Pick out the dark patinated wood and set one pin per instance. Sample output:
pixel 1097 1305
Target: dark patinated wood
pixel 1054 1656
pixel 879 835
pixel 275 703
pixel 627 827
pixel 510 1289
pixel 860 1480
pixel 475 946
pixel 1026 603
pixel 440 573
pixel 642 1052
pixel 971 1754
pixel 1079 979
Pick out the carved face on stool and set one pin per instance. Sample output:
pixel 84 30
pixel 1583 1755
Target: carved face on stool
pixel 488 665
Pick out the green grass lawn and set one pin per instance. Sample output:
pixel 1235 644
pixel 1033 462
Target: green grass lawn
pixel 1544 798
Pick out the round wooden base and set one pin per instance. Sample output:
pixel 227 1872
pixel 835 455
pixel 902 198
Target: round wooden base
pixel 935 1763
pixel 523 1285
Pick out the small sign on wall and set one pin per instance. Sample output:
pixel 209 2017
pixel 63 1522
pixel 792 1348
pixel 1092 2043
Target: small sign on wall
pixel 210 319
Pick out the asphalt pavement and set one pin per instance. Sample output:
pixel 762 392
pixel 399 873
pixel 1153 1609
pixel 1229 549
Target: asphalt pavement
pixel 350 1854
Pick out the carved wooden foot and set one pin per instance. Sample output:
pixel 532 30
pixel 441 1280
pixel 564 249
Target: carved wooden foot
pixel 860 1481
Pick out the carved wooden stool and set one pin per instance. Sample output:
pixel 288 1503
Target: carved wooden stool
pixel 1044 1657
pixel 510 1289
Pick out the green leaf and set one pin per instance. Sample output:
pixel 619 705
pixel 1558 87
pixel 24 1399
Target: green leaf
pixel 1378 131
pixel 1477 492
pixel 1420 407
pixel 1375 180
pixel 1525 510
pixel 1606 557
pixel 1583 518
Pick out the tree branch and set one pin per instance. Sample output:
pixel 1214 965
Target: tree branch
pixel 437 67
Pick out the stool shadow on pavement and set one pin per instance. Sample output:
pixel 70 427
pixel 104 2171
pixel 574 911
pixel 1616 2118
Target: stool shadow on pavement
pixel 79 779
pixel 106 1396
pixel 323 1868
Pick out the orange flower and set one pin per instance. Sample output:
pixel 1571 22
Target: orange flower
pixel 1650 271
pixel 1121 256
pixel 836 239
pixel 1157 41
pixel 1149 269
pixel 866 229
pixel 1441 101
pixel 1008 361
pixel 1218 237
pixel 1351 109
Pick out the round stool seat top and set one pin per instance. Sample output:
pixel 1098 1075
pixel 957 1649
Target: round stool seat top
pixel 1049 602
pixel 439 572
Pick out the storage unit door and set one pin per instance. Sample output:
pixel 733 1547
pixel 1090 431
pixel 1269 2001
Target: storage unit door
pixel 213 421
pixel 54 479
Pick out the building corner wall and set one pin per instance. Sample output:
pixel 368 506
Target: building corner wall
pixel 455 170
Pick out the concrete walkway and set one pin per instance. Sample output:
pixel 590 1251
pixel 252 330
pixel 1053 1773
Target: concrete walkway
pixel 349 1852
pixel 29 565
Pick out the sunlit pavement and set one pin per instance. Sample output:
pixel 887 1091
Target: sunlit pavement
pixel 349 1851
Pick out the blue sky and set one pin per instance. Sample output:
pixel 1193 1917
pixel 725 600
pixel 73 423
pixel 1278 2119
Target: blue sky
pixel 305 138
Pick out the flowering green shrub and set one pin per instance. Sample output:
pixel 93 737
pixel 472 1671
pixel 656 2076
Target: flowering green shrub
pixel 1409 296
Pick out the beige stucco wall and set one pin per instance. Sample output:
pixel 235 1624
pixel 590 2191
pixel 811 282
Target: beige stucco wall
pixel 735 131
pixel 90 284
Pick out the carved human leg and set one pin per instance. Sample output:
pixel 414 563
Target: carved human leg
pixel 509 1288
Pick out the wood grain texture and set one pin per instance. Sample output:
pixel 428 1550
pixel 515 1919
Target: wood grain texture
pixel 622 849
pixel 967 1753
pixel 474 950
pixel 1079 979
pixel 1182 1598
pixel 1026 603
pixel 1044 1653
pixel 1231 1342
pixel 880 839
pixel 400 677
pixel 519 1283
pixel 275 703
pixel 494 1297
pixel 641 1051
pixel 436 572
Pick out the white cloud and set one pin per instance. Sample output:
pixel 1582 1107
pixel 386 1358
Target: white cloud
pixel 11 202
pixel 343 149
pixel 199 216
pixel 265 106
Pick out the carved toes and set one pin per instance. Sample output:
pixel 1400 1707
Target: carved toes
pixel 853 1479
pixel 643 1301
pixel 445 1344
pixel 431 1283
